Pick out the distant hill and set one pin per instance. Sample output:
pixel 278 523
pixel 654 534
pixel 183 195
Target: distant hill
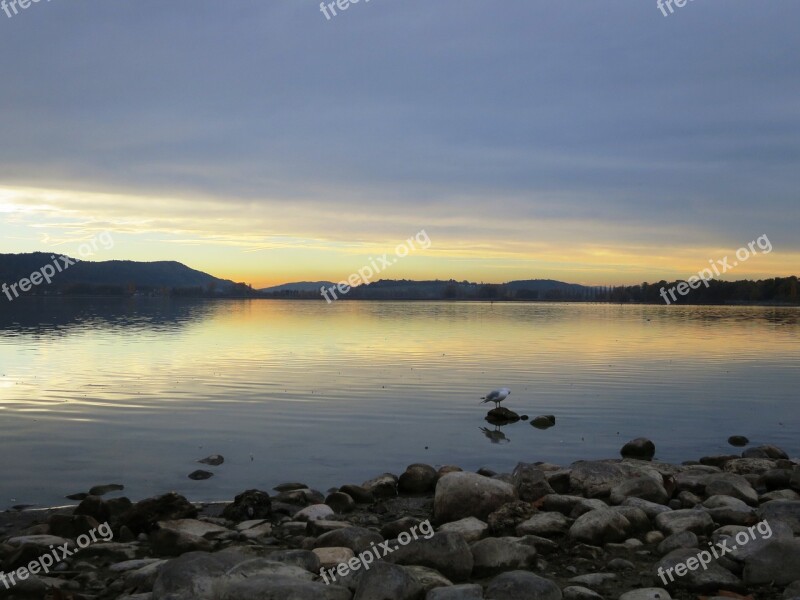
pixel 300 286
pixel 112 277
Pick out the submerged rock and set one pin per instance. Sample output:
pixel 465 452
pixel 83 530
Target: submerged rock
pixel 501 416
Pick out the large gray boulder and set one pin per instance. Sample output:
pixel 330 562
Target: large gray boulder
pixel 446 552
pixel 385 580
pixel 461 494
pixel 600 526
pixel 777 562
pixel 522 585
pixel 496 555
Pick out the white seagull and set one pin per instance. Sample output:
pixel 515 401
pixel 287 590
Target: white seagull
pixel 497 396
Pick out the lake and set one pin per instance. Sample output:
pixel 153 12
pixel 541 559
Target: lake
pixel 135 391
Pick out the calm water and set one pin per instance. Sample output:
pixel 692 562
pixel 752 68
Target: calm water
pixel 134 392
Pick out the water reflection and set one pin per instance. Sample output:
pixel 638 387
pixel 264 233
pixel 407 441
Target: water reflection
pixel 496 435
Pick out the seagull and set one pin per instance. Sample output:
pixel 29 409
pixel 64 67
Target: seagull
pixel 497 396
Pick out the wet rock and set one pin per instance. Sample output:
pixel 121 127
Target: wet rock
pixel 677 521
pixel 358 539
pixel 651 509
pixel 545 524
pixel 290 486
pixel 340 502
pixel 200 475
pixel 496 555
pixel 544 421
pixel 385 580
pixel 249 505
pixel 315 512
pixel 272 587
pixel 102 490
pixel 640 449
pixel 358 494
pixel 471 529
pixel 620 564
pixel 383 486
pixel 522 585
pixel 305 559
pixel 214 460
pixel 749 466
pixel 428 578
pixel 302 497
pixel 170 542
pixel 594 479
pixel 417 479
pixel 95 507
pixel 144 516
pixel 446 552
pixel 530 482
pixel 738 441
pixel 501 416
pixel 768 451
pixel 71 526
pixel 729 484
pixel 719 460
pixel 460 495
pixel 645 488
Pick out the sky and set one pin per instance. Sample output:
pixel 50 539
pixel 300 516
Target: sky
pixel 258 140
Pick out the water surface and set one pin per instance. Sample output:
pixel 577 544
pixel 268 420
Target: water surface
pixel 135 391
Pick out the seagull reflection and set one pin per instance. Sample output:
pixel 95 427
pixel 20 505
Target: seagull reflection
pixel 496 436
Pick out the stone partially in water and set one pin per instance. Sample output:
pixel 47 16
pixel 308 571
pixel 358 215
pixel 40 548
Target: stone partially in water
pixel 501 416
pixel 200 475
pixel 214 460
pixel 738 441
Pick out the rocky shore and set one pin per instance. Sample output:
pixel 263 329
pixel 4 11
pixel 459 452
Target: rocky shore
pixel 593 530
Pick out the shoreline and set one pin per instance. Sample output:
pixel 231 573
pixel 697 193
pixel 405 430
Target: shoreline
pixel 593 529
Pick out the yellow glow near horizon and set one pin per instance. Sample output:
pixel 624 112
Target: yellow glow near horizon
pixel 267 244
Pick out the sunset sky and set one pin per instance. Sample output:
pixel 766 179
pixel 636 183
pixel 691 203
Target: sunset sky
pixel 585 141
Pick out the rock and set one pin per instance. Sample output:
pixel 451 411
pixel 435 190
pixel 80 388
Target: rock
pixel 738 440
pixel 358 494
pixel 749 466
pixel 357 539
pixel 729 484
pixel 383 486
pixel 95 507
pixel 595 479
pixel 620 564
pixel 779 495
pixel 315 512
pixel 504 520
pixel 471 529
pixel 393 529
pixel 145 515
pixel 195 528
pixel 428 578
pixel 446 552
pixel 302 497
pixel 501 416
pixel 259 529
pixel 543 421
pixel 332 556
pixel 772 452
pixel 646 594
pixel 522 585
pixel 71 526
pixel 191 576
pixel 719 460
pixel 645 488
pixel 577 592
pixel 792 590
pixel 41 541
pixel 777 479
pixel 252 504
pixel 673 571
pixel 340 502
pixel 777 562
pixel 467 591
pixel 676 521
pixel 495 555
pixel 200 475
pixel 653 537
pixel 594 580
pixel 460 495
pixel 102 490
pixel 530 482
pixel 545 524
pixel 599 527
pixel 640 449
pixel 276 587
pixel 385 580
pixel 169 542
pixel 684 539
pixel 418 479
pixel 787 511
pixel 214 460
pixel 305 559
pixel 651 509
pixel 751 539
pixel 290 487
